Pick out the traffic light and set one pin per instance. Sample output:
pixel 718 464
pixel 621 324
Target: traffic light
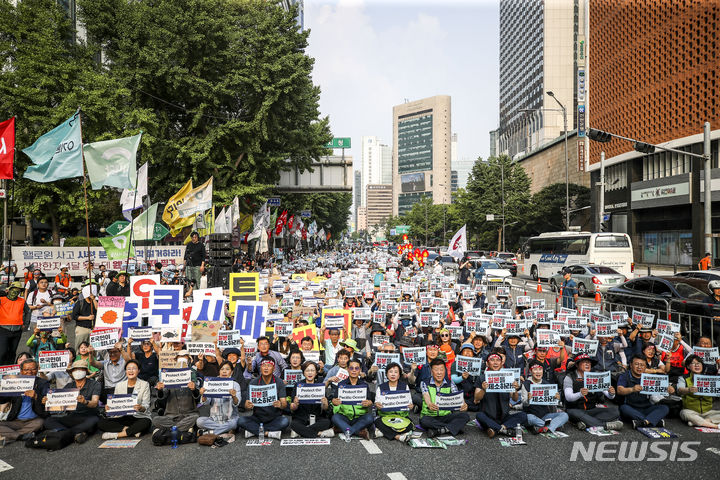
pixel 644 147
pixel 598 135
pixel 605 223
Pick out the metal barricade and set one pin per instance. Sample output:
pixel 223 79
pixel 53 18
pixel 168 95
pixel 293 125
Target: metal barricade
pixel 697 319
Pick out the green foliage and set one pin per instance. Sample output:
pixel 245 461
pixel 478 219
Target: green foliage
pixel 219 87
pixel 548 207
pixel 80 242
pixel 329 210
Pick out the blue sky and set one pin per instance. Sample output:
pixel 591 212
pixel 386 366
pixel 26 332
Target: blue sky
pixel 371 55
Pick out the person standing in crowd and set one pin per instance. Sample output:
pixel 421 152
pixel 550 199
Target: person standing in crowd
pixel 63 279
pixel 569 290
pixel 84 314
pixel 194 258
pixel 705 263
pixel 14 318
pixel 643 410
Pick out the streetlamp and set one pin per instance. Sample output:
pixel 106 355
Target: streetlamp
pixel 567 178
pixel 502 193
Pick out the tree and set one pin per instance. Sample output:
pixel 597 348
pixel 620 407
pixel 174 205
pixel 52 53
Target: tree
pixel 329 210
pixel 484 195
pixel 548 207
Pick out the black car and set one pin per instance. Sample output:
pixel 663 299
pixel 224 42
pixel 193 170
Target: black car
pixel 680 297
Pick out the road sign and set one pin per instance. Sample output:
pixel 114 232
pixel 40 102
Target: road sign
pixel 115 228
pixel 159 231
pixel 393 232
pixel 490 217
pixel 402 229
pixel 274 201
pixel 305 214
pixel 606 217
pixel 3 193
pixel 339 143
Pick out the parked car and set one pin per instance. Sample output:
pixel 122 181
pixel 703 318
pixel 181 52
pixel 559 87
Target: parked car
pixel 706 275
pixel 431 257
pixel 449 266
pixel 590 278
pixel 494 272
pixel 474 254
pixel 509 256
pixel 507 264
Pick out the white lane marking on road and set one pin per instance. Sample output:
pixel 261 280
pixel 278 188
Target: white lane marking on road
pixel 396 476
pixel 371 447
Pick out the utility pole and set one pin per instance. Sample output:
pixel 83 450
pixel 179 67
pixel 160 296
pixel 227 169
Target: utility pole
pixel 601 207
pixel 502 188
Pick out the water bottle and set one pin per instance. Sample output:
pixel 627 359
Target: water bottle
pixel 174 437
pixel 261 433
pixel 347 435
pixel 312 420
pixel 518 433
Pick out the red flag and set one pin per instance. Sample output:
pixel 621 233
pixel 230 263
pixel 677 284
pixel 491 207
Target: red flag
pixel 280 223
pixel 304 233
pixel 7 148
pixel 328 237
pixel 290 223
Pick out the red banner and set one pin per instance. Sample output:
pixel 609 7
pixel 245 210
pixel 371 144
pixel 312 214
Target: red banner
pixel 7 148
pixel 280 222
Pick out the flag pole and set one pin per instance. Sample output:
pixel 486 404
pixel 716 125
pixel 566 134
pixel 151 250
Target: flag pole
pixel 87 221
pixel 132 221
pixel 5 209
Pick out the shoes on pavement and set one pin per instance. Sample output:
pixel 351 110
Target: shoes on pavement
pixel 293 434
pixel 329 433
pixel 431 433
pixel 378 433
pixel 637 424
pixel 616 425
pixel 248 434
pixel 661 423
pixel 277 434
pixel 581 425
pixel 109 436
pixel 403 437
pixel 490 432
pixel 364 434
pixel 81 437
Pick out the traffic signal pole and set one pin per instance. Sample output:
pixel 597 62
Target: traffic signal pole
pixel 708 190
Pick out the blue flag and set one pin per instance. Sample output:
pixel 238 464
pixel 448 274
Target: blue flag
pixel 57 154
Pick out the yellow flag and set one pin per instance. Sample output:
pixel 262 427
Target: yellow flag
pixel 246 223
pixel 171 215
pixel 209 222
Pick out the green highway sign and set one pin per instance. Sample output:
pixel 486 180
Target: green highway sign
pixel 115 228
pixel 339 143
pixel 159 232
pixel 402 229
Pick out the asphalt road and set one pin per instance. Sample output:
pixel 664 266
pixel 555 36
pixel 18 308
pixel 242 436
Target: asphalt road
pixel 479 458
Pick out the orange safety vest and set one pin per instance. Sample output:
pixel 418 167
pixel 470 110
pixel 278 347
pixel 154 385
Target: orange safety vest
pixel 64 280
pixel 705 263
pixel 11 311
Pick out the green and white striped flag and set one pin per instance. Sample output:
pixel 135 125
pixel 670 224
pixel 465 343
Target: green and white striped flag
pixel 116 247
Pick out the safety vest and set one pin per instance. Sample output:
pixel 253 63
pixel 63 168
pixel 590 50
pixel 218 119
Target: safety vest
pixel 696 403
pixel 64 280
pixel 11 311
pixel 432 391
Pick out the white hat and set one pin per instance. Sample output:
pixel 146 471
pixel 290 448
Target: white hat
pixel 65 265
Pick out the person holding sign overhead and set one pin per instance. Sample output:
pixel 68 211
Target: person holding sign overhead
pixel 494 415
pixel 351 416
pixel 41 341
pixel 309 420
pixel 224 415
pixel 180 403
pixel 436 420
pixel 582 405
pixel 84 419
pixel 393 423
pixel 137 423
pixel 27 413
pixel 642 409
pixel 270 415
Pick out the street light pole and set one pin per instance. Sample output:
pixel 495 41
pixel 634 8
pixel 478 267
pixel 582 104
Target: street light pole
pixel 708 189
pixel 567 178
pixel 502 188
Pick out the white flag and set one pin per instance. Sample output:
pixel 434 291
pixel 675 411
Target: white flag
pixel 221 225
pixel 130 200
pixel 261 221
pixel 458 244
pixel 235 213
pixel 143 225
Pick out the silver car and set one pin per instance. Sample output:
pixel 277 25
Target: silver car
pixel 589 278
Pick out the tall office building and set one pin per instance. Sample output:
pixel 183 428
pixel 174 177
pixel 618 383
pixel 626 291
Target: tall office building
pixel 379 205
pixel 376 165
pixel 286 4
pixel 421 152
pixel 357 195
pixel 538 41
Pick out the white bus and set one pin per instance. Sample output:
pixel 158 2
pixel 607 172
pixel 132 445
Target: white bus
pixel 549 252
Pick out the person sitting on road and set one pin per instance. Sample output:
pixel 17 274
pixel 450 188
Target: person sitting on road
pixel 180 403
pixel 224 415
pixel 434 420
pixel 706 342
pixel 395 424
pixel 494 415
pixel 309 420
pixel 270 417
pixel 586 408
pixel 138 422
pixel 642 409
pixel 27 413
pixel 83 420
pixel 541 417
pixel 697 409
pixel 351 418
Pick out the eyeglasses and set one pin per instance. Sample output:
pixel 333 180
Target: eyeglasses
pixel 444 335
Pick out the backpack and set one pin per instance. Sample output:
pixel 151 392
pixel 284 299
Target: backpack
pixel 51 440
pixel 163 436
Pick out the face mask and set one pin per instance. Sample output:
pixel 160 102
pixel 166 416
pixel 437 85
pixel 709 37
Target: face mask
pixel 405 322
pixel 13 294
pixel 79 374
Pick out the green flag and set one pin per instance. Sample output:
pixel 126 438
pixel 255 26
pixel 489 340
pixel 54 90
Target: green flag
pixel 57 154
pixel 143 225
pixel 116 247
pixel 112 162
